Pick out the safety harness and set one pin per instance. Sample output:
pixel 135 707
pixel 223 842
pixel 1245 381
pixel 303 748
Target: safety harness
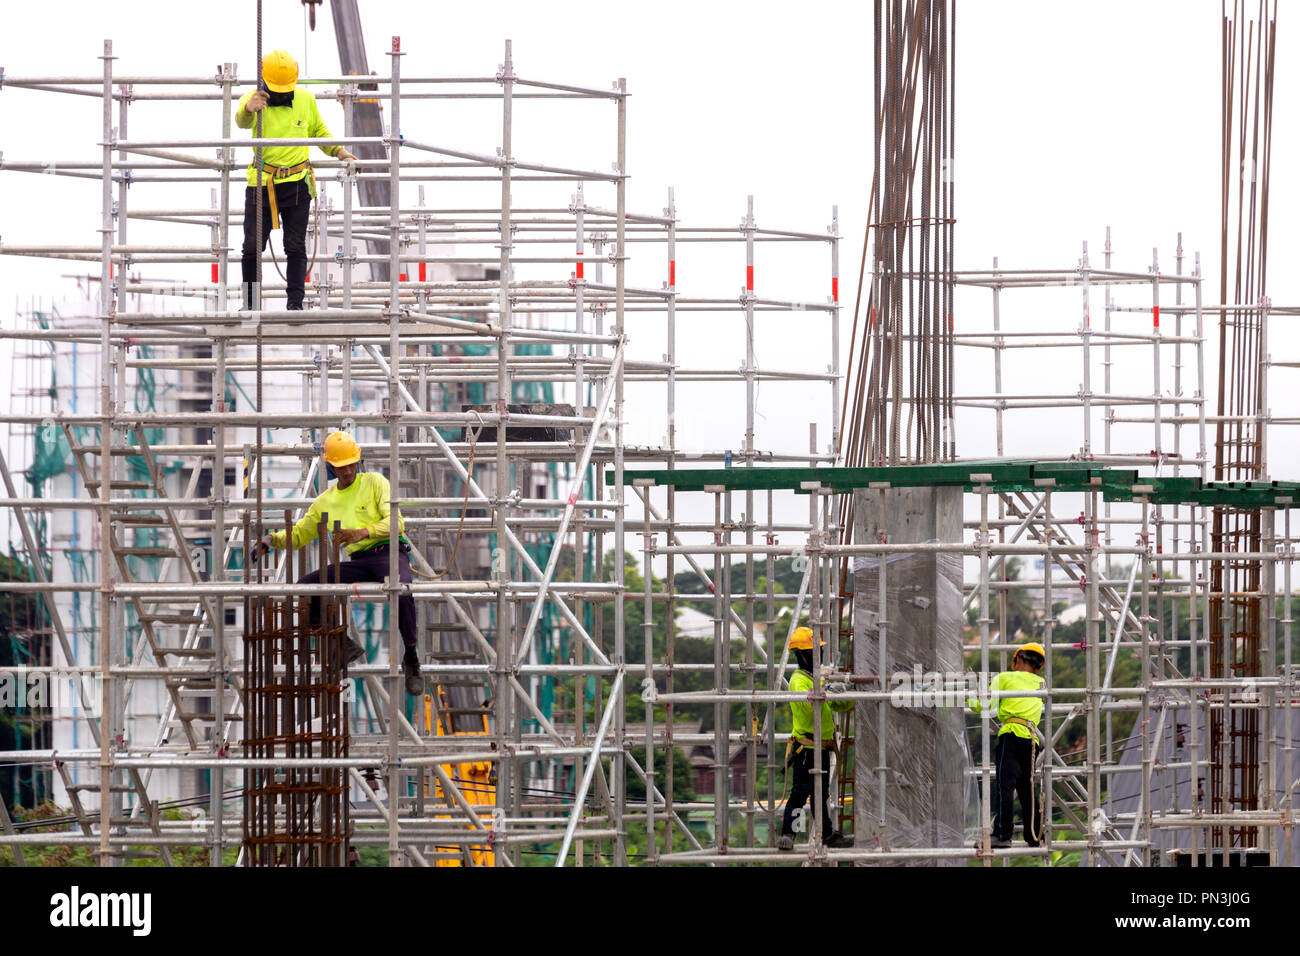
pixel 791 751
pixel 284 172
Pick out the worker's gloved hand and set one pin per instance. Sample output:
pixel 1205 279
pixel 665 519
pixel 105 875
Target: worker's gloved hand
pixel 838 687
pixel 255 102
pixel 352 535
pixel 261 548
pixel 344 155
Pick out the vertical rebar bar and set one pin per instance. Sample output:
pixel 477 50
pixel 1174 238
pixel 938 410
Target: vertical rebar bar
pixel 396 692
pixel 106 410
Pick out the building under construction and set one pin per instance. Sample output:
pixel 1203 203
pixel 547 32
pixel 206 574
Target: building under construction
pixel 519 353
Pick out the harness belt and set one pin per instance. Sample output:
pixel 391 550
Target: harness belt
pixel 284 172
pixel 803 743
pixel 403 545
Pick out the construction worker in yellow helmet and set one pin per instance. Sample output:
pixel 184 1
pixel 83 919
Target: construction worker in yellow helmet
pixel 286 184
pixel 359 502
pixel 1014 755
pixel 801 750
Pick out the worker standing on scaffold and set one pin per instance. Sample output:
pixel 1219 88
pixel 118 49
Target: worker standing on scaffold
pixel 1015 754
pixel 359 503
pixel 800 750
pixel 286 183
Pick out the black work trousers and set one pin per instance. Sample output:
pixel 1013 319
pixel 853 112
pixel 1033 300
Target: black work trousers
pixel 1013 759
pixel 801 789
pixel 370 565
pixel 294 202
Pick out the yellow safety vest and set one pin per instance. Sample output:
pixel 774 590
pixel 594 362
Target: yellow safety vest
pixel 362 504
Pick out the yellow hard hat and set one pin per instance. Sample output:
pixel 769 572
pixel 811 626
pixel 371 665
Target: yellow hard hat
pixel 1031 646
pixel 342 449
pixel 280 73
pixel 802 640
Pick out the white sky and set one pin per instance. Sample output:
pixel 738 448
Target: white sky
pixel 1070 117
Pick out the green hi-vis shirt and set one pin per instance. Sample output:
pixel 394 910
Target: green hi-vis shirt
pixel 300 120
pixel 362 504
pixel 1026 708
pixel 801 683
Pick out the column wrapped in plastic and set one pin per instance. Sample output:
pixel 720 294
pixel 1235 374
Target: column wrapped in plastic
pixel 926 790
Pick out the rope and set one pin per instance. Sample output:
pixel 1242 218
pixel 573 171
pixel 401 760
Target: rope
pixel 315 244
pixel 1041 802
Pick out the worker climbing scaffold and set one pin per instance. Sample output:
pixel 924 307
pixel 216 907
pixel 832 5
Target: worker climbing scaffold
pixel 801 749
pixel 1017 747
pixel 359 504
pixel 285 184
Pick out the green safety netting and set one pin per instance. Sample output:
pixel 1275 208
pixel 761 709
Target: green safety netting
pixel 50 449
pixel 50 453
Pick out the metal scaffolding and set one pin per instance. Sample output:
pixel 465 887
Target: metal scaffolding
pixel 498 388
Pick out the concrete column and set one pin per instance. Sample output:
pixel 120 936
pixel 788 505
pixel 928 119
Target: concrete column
pixel 924 796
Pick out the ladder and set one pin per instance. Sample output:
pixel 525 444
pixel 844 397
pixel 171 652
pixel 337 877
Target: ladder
pixel 844 775
pixel 87 819
pixel 174 628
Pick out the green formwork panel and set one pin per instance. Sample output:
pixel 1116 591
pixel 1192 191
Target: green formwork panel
pixel 997 475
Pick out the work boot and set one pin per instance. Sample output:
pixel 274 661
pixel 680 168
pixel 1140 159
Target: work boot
pixel 786 842
pixel 352 651
pixel 836 839
pixel 411 668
